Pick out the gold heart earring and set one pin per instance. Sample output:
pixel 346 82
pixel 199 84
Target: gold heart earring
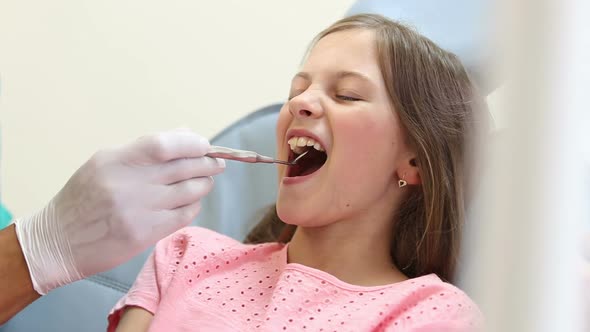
pixel 402 183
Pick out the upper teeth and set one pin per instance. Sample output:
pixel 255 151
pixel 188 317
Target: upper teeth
pixel 298 144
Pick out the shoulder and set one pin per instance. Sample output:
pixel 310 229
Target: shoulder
pixel 200 235
pixel 431 304
pixel 201 247
pixel 193 240
pixel 196 237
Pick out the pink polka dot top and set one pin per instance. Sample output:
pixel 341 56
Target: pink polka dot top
pixel 199 280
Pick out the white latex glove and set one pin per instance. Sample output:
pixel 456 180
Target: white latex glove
pixel 116 205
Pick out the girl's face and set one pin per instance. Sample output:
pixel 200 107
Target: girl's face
pixel 339 109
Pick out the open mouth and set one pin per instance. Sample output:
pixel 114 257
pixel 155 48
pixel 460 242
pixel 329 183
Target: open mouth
pixel 314 159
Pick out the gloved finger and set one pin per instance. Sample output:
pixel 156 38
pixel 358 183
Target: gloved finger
pixel 167 146
pixel 186 214
pixel 187 192
pixel 175 219
pixel 183 169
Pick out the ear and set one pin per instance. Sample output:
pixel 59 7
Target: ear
pixel 408 170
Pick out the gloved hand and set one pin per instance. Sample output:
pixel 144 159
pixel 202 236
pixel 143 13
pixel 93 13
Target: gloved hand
pixel 116 205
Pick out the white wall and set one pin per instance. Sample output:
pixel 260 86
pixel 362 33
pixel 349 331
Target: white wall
pixel 76 76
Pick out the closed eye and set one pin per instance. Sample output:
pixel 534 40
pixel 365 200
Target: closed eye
pixel 347 98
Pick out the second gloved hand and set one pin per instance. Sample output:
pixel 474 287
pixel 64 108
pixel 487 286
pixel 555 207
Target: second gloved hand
pixel 116 205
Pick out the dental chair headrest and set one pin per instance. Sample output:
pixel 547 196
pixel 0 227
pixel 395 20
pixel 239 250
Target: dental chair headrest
pixel 459 26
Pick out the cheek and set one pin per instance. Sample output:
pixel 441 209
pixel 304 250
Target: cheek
pixel 366 157
pixel 365 135
pixel 283 122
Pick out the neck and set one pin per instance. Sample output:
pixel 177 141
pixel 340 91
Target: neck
pixel 356 251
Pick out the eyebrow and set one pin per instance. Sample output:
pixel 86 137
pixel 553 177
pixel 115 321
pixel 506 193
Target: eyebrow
pixel 339 75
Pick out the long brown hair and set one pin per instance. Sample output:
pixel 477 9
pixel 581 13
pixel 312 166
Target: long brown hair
pixel 440 110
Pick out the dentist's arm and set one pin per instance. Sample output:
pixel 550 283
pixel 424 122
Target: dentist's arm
pixel 115 206
pixel 16 288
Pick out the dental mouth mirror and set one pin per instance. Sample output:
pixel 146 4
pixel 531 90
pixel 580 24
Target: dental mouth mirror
pixel 247 156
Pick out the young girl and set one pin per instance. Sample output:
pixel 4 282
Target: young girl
pixel 366 227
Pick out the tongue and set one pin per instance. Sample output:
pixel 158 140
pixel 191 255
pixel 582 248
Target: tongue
pixel 309 170
pixel 309 163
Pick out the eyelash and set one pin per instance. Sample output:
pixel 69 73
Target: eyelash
pixel 341 97
pixel 347 98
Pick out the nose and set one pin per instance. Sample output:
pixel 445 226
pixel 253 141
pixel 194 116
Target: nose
pixel 306 105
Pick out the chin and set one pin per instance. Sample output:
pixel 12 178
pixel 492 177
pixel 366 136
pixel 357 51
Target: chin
pixel 292 214
pixel 288 213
